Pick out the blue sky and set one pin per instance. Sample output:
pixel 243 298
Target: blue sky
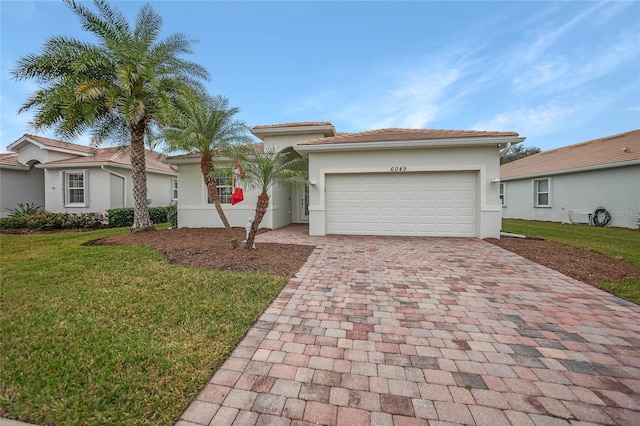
pixel 558 72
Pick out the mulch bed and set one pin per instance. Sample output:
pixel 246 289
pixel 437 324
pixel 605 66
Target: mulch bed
pixel 210 248
pixel 583 265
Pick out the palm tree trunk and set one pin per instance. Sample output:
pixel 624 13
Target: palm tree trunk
pixel 206 167
pixel 141 218
pixel 261 209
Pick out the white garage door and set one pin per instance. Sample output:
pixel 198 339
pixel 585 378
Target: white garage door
pixel 425 204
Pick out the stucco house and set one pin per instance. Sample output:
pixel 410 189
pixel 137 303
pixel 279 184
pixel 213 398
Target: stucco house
pixel 568 184
pixel 66 177
pixel 405 182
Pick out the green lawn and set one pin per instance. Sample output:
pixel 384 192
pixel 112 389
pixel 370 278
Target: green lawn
pixel 618 242
pixel 113 335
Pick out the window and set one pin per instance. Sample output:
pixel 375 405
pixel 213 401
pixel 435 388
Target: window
pixel 503 194
pixel 174 189
pixel 542 192
pixel 74 183
pixel 225 190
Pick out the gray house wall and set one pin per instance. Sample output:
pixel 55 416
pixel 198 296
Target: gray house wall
pixel 616 189
pixel 20 186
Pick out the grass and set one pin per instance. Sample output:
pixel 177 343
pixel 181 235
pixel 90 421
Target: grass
pixel 113 335
pixel 617 242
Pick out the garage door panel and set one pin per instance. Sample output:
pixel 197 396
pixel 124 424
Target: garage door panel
pixel 401 204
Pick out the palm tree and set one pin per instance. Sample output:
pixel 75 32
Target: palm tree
pixel 117 87
pixel 205 125
pixel 263 171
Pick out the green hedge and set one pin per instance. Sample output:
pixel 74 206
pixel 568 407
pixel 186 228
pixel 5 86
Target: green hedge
pixel 172 215
pixel 46 221
pixel 124 217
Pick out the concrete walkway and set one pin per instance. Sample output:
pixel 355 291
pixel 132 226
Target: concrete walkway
pixel 417 331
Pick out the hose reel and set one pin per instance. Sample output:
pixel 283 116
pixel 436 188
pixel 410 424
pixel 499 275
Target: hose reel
pixel 601 217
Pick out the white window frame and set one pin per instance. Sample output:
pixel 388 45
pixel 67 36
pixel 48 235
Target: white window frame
pixel 503 194
pixel 68 188
pixel 174 189
pixel 537 193
pixel 224 186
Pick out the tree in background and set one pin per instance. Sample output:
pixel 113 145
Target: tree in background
pixel 263 171
pixel 517 152
pixel 116 88
pixel 205 125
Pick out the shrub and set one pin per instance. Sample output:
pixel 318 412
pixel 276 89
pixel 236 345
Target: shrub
pixel 124 216
pixel 13 222
pixel 25 209
pixel 120 217
pixel 172 215
pixel 46 221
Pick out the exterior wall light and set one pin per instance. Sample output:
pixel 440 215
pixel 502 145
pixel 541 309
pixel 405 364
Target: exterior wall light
pixel 495 182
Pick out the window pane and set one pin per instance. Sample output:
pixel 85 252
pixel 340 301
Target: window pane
pixel 543 199
pixel 75 188
pixel 543 185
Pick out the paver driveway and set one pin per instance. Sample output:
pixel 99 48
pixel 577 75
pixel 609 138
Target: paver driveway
pixel 412 331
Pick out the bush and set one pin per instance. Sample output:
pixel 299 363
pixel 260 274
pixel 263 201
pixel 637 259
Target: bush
pixel 172 215
pixel 13 222
pixel 46 221
pixel 25 209
pixel 124 216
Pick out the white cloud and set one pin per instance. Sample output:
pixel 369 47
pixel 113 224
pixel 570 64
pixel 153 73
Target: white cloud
pixel 550 117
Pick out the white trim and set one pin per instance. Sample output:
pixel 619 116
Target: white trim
pixel 26 139
pixel 100 164
pixel 124 183
pixel 85 188
pixel 503 200
pixel 536 193
pixel 174 189
pixel 409 144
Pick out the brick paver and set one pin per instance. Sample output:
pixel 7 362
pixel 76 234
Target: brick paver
pixel 410 331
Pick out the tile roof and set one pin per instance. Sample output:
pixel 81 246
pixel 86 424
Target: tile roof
pixel 11 159
pixel 120 156
pixel 389 135
pixel 298 124
pixel 59 144
pixel 598 152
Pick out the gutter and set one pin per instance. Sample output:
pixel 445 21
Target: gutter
pixel 124 179
pixel 424 143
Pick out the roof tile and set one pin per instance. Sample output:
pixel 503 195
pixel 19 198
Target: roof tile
pixel 390 135
pixel 607 150
pixel 10 159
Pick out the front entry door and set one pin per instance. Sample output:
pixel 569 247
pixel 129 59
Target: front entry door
pixel 304 203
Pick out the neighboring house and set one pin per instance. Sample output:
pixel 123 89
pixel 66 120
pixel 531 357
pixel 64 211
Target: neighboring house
pixel 66 177
pixel 568 184
pixel 381 182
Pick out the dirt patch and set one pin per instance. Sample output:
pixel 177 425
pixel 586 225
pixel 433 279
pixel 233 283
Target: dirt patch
pixel 583 265
pixel 210 248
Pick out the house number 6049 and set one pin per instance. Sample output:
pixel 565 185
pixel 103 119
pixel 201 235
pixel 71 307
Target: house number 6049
pixel 399 169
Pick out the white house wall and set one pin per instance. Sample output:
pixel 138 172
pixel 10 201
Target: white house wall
pixel 99 192
pixel 286 141
pixel 615 189
pixel 482 160
pixel 32 153
pixel 20 186
pixel 195 212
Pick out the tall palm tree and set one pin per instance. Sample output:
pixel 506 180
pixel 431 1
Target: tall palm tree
pixel 117 87
pixel 263 171
pixel 204 125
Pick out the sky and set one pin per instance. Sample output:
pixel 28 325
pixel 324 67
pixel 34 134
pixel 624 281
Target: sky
pixel 558 73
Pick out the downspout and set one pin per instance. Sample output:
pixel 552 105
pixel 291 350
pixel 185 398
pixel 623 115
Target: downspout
pixel 505 149
pixel 124 182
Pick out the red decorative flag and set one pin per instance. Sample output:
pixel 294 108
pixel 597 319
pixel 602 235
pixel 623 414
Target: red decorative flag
pixel 238 174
